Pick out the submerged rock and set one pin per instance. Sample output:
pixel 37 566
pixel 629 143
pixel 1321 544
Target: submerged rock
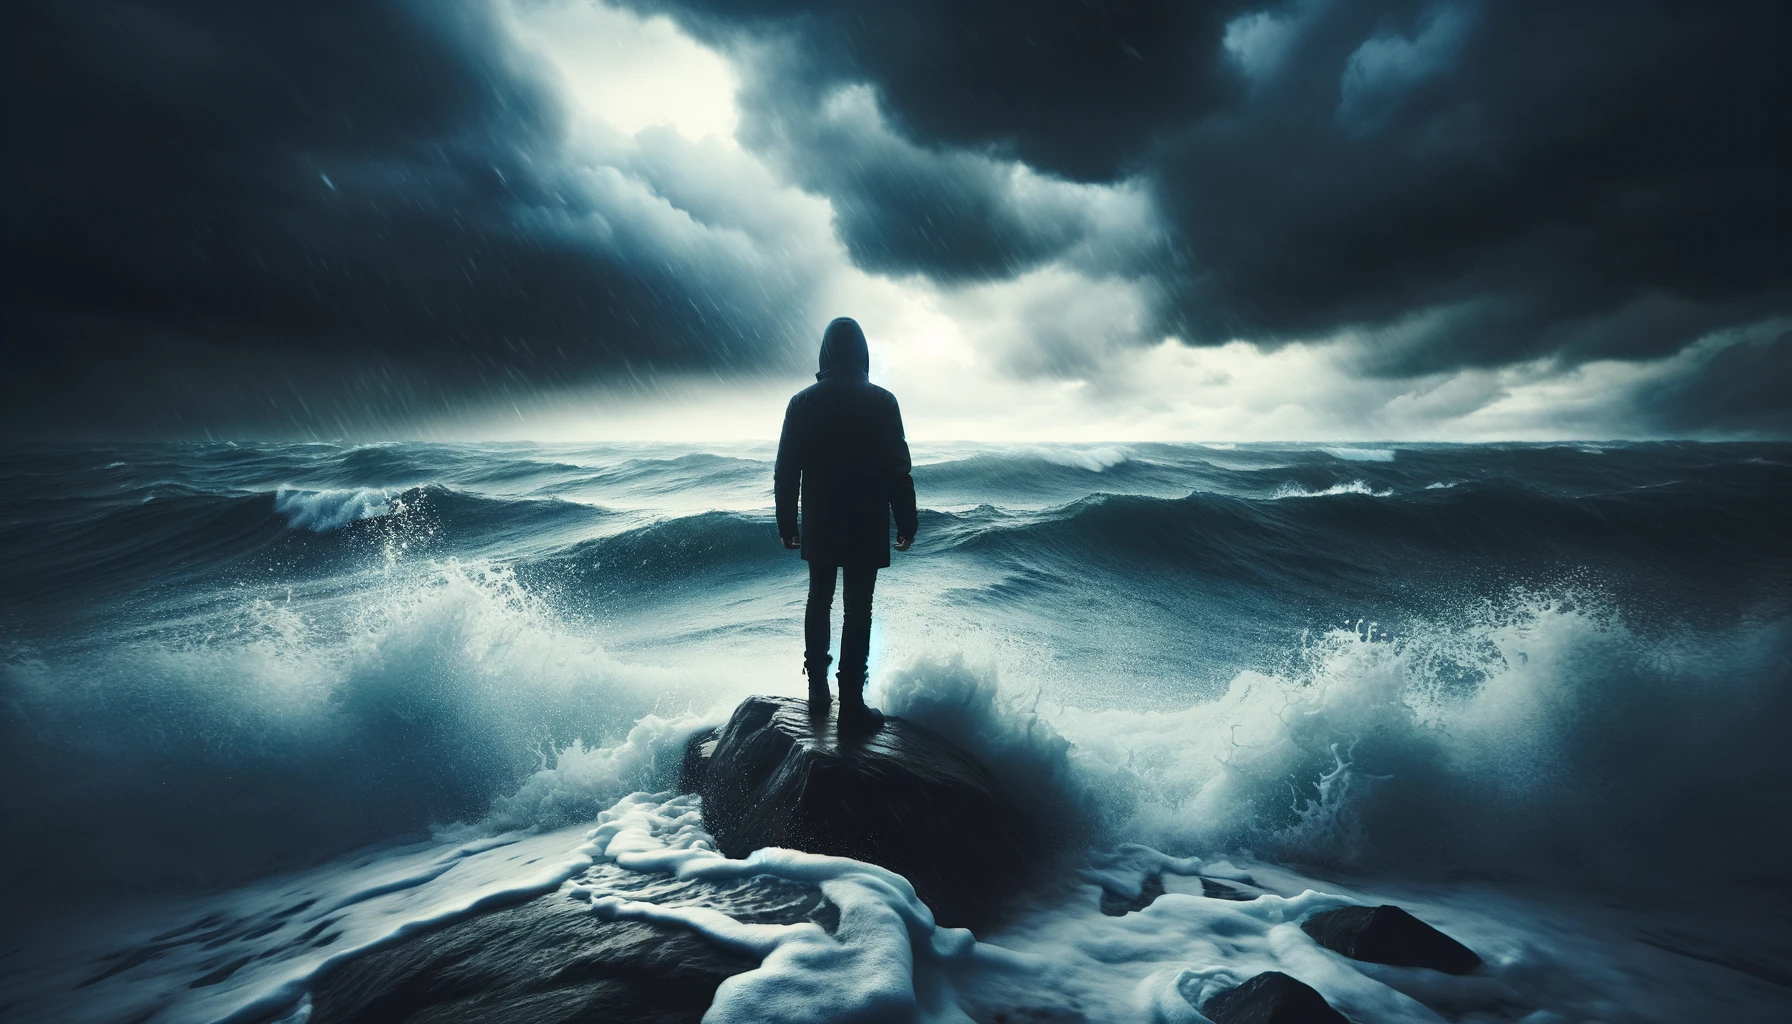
pixel 1389 935
pixel 1271 998
pixel 900 797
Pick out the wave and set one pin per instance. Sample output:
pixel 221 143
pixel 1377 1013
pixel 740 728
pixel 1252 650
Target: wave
pixel 173 545
pixel 1453 752
pixel 1362 524
pixel 1361 454
pixel 1455 748
pixel 1538 737
pixel 324 511
pixel 1353 487
pixel 1040 477
pixel 1094 459
pixel 274 653
pixel 668 560
pixel 295 731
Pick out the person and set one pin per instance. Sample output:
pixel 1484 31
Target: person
pixel 842 450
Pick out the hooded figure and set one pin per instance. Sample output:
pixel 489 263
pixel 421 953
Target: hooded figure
pixel 842 451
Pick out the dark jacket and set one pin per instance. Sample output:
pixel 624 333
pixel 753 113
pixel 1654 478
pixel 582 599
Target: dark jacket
pixel 843 449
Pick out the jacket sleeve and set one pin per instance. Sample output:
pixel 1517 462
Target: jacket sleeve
pixel 787 474
pixel 902 481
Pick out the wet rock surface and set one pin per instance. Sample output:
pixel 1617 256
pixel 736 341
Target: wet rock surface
pixel 1271 998
pixel 900 797
pixel 550 960
pixel 1389 935
pixel 1115 905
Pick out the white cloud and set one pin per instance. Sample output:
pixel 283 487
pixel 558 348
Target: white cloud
pixel 632 72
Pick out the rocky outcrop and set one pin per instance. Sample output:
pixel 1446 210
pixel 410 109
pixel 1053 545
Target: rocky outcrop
pixel 1271 998
pixel 540 963
pixel 551 961
pixel 1389 935
pixel 900 797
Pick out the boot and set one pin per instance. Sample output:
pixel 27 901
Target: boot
pixel 819 698
pixel 855 715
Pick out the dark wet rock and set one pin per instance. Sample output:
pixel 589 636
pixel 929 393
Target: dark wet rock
pixel 1389 935
pixel 901 797
pixel 1115 905
pixel 695 769
pixel 1271 998
pixel 551 960
pixel 542 963
pixel 1242 890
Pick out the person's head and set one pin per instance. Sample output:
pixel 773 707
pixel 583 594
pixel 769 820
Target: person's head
pixel 843 350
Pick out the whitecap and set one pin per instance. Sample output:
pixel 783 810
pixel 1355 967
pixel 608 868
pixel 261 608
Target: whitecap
pixel 1353 487
pixel 1361 454
pixel 1093 459
pixel 324 511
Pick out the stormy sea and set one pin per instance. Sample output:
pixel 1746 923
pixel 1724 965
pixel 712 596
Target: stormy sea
pixel 266 708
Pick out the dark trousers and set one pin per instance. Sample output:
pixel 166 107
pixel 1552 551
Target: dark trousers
pixel 855 633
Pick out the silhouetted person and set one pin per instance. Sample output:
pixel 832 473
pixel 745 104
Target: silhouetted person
pixel 842 448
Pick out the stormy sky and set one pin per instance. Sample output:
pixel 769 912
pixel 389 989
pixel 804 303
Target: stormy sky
pixel 1309 219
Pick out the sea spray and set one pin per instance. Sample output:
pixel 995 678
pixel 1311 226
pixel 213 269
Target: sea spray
pixel 410 706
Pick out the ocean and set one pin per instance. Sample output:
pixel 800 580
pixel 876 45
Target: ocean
pixel 265 705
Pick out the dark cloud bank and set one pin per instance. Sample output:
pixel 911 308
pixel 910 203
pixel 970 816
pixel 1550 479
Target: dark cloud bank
pixel 271 214
pixel 287 213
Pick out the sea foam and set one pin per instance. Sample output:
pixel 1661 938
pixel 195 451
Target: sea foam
pixel 324 511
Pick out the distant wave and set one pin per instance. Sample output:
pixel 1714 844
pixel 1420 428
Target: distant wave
pixel 1361 454
pixel 1092 459
pixel 1353 487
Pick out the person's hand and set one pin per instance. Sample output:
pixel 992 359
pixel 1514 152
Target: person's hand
pixel 793 542
pixel 902 543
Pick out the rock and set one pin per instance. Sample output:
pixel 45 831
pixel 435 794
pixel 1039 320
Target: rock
pixel 1389 935
pixel 1271 998
pixel 551 960
pixel 900 797
pixel 695 769
pixel 1242 890
pixel 541 963
pixel 1119 906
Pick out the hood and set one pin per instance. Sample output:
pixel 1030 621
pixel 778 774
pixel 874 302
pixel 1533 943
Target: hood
pixel 843 351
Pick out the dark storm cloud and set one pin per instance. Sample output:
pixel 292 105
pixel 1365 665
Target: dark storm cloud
pixel 1465 183
pixel 245 211
pixel 1077 87
pixel 922 177
pixel 1563 179
pixel 282 214
pixel 1742 389
pixel 900 208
